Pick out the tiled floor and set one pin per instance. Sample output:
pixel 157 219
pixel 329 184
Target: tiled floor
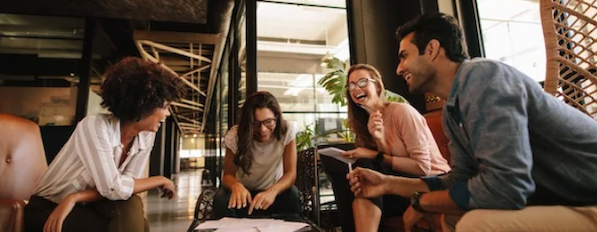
pixel 177 214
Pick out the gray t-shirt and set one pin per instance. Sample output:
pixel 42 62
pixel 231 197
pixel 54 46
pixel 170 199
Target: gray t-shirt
pixel 267 167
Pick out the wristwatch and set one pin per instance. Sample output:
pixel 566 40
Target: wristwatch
pixel 379 157
pixel 414 202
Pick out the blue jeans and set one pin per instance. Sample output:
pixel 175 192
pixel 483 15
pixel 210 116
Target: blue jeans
pixel 287 202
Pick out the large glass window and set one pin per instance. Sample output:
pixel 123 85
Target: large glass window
pixel 293 39
pixel 512 33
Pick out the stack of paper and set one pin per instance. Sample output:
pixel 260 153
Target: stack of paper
pixel 252 225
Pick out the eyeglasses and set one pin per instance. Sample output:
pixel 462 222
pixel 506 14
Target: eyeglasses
pixel 361 83
pixel 269 123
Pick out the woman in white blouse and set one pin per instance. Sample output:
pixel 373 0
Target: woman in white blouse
pixel 91 183
pixel 260 163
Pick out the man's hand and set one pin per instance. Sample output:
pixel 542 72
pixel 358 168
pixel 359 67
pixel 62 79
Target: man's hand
pixel 411 217
pixel 360 153
pixel 263 200
pixel 240 196
pixel 56 218
pixel 375 126
pixel 367 183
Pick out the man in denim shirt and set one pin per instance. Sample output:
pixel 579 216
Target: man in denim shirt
pixel 522 160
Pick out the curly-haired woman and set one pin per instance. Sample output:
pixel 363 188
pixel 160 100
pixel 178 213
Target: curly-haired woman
pixel 260 162
pixel 92 182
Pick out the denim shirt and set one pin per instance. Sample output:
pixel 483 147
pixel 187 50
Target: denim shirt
pixel 514 145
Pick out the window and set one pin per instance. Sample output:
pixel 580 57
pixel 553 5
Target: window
pixel 512 33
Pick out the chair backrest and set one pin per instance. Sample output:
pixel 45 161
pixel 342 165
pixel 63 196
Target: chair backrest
pixel 22 157
pixel 306 182
pixel 570 29
pixel 434 121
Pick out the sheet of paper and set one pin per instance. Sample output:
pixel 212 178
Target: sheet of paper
pixel 336 153
pixel 251 225
pixel 236 223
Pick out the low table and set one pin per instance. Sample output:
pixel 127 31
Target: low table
pixel 285 217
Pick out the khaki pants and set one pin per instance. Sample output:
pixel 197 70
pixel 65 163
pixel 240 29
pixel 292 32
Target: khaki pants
pixel 100 216
pixel 532 218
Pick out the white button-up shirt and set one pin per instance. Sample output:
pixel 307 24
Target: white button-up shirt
pixel 90 159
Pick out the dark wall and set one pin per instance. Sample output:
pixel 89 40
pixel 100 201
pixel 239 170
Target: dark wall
pixel 54 137
pixel 372 25
pixel 156 160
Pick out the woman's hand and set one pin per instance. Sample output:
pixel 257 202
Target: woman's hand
pixel 360 153
pixel 168 188
pixel 240 196
pixel 375 125
pixel 56 218
pixel 263 200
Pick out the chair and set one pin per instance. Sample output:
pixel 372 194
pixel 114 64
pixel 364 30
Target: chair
pixel 22 163
pixel 569 28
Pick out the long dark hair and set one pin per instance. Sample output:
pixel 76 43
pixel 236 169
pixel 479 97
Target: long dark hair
pixel 244 157
pixel 357 116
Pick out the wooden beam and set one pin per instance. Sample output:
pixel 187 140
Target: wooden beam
pixel 191 102
pixel 173 50
pixel 196 70
pixel 186 106
pixel 176 37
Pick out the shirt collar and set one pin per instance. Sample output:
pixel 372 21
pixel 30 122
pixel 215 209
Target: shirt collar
pixel 139 142
pixel 453 97
pixel 116 129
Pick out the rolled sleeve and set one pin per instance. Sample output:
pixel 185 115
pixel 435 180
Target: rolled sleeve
pixel 92 144
pixel 414 132
pixel 496 121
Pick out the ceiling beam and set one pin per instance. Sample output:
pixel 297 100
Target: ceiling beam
pixel 186 106
pixel 191 102
pixel 196 70
pixel 173 50
pixel 176 37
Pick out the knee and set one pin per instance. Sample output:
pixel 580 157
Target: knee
pixel 475 220
pixel 221 198
pixel 132 206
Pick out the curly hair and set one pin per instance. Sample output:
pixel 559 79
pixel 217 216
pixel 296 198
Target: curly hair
pixel 134 88
pixel 441 27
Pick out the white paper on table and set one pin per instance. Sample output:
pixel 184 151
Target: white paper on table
pixel 237 229
pixel 335 153
pixel 236 223
pixel 251 225
pixel 284 227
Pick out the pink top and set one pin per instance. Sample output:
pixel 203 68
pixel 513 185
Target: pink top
pixel 407 134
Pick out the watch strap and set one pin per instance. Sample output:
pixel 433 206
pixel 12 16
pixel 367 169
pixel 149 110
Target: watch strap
pixel 414 202
pixel 379 157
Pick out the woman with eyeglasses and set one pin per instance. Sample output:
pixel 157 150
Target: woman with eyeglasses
pixel 260 163
pixel 392 138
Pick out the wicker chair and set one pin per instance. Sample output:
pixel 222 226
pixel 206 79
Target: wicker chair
pixel 570 29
